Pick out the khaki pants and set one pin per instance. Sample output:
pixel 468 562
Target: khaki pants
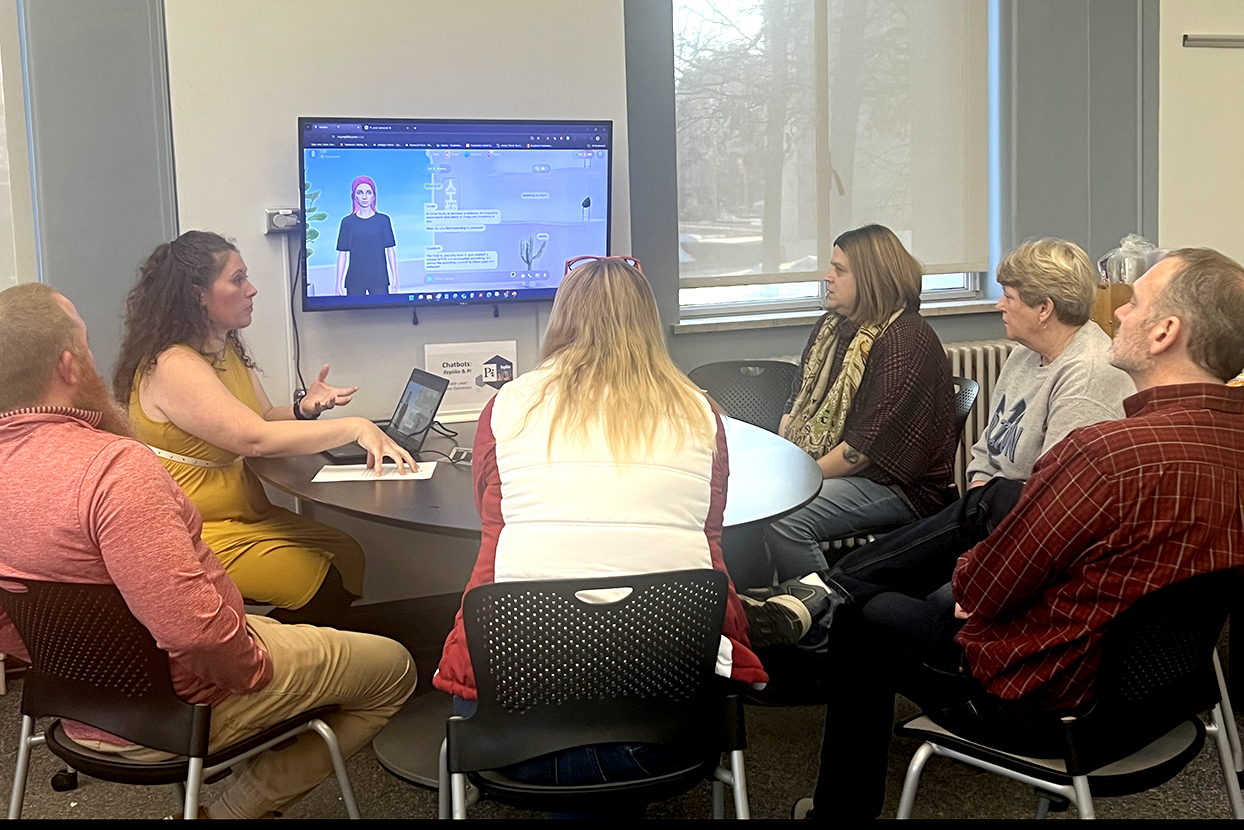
pixel 369 677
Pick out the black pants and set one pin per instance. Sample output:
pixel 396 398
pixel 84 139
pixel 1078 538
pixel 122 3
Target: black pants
pixel 365 288
pixel 902 644
pixel 919 558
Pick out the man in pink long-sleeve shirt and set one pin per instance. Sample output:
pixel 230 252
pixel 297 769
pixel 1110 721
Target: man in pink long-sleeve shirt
pixel 82 502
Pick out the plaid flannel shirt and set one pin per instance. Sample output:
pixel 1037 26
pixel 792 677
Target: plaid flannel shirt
pixel 1114 511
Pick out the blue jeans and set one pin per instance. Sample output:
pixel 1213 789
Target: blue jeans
pixel 844 507
pixel 593 764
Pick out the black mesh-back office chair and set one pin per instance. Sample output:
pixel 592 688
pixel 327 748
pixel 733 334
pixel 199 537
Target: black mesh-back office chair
pixel 93 662
pixel 1158 674
pixel 754 391
pixel 966 391
pixel 567 663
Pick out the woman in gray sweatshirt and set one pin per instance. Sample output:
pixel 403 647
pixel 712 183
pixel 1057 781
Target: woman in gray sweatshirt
pixel 1057 379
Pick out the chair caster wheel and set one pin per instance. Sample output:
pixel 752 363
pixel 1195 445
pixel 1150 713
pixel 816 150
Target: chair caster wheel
pixel 64 781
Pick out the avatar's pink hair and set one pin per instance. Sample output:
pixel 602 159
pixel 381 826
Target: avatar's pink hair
pixel 362 180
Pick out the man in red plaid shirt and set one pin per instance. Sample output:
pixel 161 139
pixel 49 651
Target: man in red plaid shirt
pixel 1113 512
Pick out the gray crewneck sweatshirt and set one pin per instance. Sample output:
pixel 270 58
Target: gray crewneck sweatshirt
pixel 1035 406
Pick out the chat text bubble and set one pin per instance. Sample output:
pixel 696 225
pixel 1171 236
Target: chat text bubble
pixel 460 261
pixel 462 217
pixel 534 195
pixel 451 228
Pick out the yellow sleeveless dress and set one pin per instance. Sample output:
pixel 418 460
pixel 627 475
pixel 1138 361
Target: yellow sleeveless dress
pixel 274 556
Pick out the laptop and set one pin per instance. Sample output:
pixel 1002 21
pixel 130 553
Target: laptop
pixel 411 421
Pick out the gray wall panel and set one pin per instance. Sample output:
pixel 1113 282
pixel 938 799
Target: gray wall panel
pixel 1084 103
pixel 1051 120
pixel 102 150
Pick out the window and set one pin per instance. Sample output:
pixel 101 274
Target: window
pixel 800 119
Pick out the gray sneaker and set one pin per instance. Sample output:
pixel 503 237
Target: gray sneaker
pixel 778 620
pixel 786 617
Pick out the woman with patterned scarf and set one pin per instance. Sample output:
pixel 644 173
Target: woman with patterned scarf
pixel 874 405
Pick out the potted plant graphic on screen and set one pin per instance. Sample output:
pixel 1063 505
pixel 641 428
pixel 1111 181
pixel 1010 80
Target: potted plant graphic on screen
pixel 312 214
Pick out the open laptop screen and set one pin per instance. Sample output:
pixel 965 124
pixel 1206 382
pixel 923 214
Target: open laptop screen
pixel 416 409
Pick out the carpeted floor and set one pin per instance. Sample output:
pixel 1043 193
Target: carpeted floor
pixel 781 766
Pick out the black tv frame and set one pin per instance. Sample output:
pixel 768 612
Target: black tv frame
pixel 400 301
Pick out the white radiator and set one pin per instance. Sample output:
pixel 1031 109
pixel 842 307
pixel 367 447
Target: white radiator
pixel 982 362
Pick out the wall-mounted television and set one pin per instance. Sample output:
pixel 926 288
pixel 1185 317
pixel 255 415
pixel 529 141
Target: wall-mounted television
pixel 423 212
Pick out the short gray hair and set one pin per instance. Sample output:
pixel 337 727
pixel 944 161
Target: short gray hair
pixel 1054 270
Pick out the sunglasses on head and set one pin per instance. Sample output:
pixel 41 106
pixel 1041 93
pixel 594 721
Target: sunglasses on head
pixel 575 262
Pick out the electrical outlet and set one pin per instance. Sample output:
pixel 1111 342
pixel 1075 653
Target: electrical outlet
pixel 282 220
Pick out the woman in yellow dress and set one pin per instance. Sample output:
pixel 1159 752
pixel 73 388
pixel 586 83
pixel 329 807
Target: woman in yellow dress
pixel 195 398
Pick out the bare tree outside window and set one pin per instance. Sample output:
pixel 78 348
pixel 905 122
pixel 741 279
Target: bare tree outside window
pixel 903 108
pixel 745 83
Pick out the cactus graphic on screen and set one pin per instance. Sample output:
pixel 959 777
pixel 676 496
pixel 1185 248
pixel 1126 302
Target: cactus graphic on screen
pixel 525 248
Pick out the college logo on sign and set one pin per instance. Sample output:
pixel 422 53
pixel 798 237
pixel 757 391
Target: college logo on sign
pixel 497 372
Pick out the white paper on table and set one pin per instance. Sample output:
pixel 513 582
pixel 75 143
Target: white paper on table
pixel 360 472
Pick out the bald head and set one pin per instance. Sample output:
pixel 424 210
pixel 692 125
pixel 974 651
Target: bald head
pixel 37 327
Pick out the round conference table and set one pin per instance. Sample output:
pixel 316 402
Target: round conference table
pixel 769 478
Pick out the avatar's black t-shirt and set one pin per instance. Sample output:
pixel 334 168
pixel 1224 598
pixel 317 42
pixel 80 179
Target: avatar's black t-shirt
pixel 366 240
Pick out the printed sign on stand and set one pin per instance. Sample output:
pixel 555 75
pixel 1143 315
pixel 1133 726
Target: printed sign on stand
pixel 475 372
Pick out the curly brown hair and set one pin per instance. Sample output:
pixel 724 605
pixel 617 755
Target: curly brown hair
pixel 165 308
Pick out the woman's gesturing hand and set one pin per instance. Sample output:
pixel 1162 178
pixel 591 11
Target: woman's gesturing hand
pixel 320 396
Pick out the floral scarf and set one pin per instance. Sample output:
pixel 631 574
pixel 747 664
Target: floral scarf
pixel 819 415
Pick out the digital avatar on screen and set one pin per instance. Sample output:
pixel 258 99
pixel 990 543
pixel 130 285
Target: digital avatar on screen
pixel 423 212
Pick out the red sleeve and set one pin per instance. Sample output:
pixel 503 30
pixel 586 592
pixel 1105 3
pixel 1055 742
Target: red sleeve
pixel 484 457
pixel 455 674
pixel 1064 506
pixel 136 515
pixel 745 666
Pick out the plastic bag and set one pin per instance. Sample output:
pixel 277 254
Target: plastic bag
pixel 1126 263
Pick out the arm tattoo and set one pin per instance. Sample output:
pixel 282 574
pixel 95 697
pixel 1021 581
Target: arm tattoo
pixel 849 455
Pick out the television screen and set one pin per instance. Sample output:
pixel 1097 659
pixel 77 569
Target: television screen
pixel 412 212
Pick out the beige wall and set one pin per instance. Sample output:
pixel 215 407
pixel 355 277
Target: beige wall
pixel 1200 144
pixel 241 73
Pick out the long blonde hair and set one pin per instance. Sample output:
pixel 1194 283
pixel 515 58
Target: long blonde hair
pixel 607 364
